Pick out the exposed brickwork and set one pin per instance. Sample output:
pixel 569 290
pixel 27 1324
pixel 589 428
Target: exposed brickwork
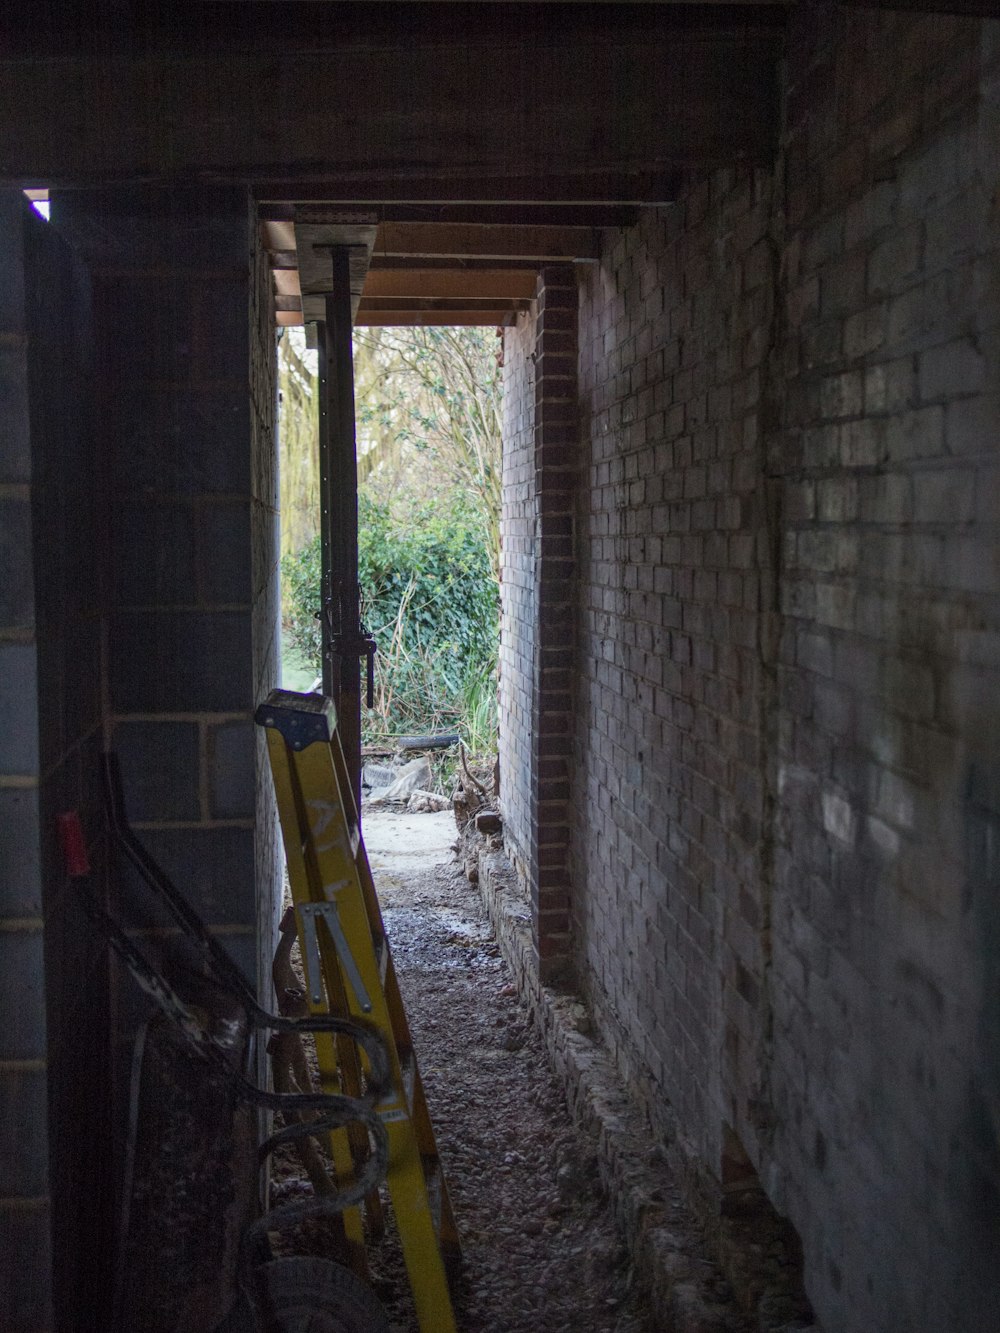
pixel 556 469
pixel 886 927
pixel 670 785
pixel 784 858
pixel 537 612
pixel 518 605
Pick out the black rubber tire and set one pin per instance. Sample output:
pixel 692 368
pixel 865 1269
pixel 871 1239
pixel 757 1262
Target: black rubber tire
pixel 308 1295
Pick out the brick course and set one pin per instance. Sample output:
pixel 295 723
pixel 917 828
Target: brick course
pixel 783 772
pixel 537 604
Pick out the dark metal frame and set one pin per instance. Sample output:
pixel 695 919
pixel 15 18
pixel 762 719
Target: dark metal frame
pixel 334 1111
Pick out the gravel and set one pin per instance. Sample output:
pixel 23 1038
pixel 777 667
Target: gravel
pixel 540 1252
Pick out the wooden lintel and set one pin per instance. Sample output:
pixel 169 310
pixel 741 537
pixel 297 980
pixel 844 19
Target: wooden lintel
pixel 441 284
pixel 433 318
pixel 404 307
pixel 408 240
pixel 574 103
pixel 483 214
pixel 396 194
pixel 444 303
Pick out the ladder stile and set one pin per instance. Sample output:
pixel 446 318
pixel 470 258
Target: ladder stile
pixel 349 971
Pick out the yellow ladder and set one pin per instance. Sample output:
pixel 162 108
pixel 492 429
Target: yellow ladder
pixel 349 972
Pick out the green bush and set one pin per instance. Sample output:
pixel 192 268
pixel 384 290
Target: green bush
pixel 431 602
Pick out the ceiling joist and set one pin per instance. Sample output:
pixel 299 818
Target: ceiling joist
pixel 436 284
pixel 533 244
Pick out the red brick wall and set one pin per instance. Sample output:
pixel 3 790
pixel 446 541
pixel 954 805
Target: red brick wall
pixel 537 629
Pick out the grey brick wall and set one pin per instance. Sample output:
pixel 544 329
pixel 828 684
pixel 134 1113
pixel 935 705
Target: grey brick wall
pixel 785 773
pixel 518 603
pixel 670 791
pixel 884 981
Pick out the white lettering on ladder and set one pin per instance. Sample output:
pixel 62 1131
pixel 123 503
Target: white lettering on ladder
pixel 324 815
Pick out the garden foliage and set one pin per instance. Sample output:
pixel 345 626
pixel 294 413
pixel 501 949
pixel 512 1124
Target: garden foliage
pixel 430 598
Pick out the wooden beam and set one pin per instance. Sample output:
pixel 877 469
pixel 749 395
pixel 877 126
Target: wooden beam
pixel 405 306
pixel 316 243
pixel 433 319
pixel 286 282
pixel 482 214
pixel 572 103
pixel 538 245
pixel 402 188
pixel 278 235
pixel 435 283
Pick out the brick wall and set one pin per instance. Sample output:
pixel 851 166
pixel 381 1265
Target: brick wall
pixel 518 604
pixel 55 1213
pixel 886 925
pixel 671 929
pixel 541 457
pixel 784 856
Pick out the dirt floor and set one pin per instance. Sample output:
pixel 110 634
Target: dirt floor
pixel 540 1251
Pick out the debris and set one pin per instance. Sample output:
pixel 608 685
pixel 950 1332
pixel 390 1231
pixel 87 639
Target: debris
pixel 499 1112
pixel 427 802
pixel 414 776
pixel 375 776
pixel 427 742
pixel 488 821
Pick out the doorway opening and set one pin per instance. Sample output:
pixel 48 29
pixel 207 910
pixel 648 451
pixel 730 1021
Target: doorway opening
pixel 428 414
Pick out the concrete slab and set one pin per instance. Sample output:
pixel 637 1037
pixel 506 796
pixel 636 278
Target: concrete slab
pixel 400 844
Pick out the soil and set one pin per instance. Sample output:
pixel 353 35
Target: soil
pixel 540 1252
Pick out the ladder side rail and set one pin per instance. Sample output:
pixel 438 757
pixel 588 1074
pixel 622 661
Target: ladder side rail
pixel 338 1060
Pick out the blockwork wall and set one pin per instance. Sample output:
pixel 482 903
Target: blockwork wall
pixel 185 372
pixel 55 1208
pixel 783 870
pixel 139 538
